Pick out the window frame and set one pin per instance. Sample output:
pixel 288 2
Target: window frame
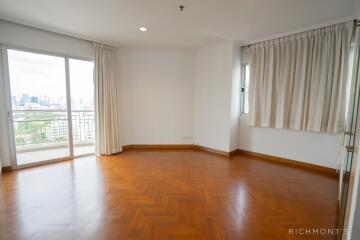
pixel 5 65
pixel 243 88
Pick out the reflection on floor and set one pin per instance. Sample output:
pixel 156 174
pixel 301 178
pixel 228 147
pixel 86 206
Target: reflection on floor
pixel 166 194
pixel 54 153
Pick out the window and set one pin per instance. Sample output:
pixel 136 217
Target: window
pixel 43 87
pixel 39 106
pixel 244 96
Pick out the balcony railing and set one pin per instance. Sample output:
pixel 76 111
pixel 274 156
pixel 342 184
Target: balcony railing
pixel 83 124
pixel 49 128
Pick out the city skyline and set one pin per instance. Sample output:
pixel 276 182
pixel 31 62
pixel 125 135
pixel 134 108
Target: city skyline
pixel 39 81
pixel 37 101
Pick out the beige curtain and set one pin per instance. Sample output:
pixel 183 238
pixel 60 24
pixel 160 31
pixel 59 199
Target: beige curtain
pixel 108 140
pixel 299 81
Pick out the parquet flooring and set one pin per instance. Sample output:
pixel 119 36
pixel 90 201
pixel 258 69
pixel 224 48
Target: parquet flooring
pixel 165 194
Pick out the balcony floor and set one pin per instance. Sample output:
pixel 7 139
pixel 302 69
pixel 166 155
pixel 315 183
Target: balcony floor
pixel 54 153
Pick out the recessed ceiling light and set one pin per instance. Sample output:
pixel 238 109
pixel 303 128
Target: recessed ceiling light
pixel 143 29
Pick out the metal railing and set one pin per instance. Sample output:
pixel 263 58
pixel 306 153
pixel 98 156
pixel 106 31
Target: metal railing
pixel 83 124
pixel 50 127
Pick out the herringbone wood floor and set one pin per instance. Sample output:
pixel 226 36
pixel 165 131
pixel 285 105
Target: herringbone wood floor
pixel 165 194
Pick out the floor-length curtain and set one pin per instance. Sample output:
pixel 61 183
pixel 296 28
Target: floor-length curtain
pixel 4 133
pixel 299 81
pixel 108 137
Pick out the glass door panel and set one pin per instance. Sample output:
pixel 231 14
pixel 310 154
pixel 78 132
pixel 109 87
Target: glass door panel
pixel 350 139
pixel 82 106
pixel 39 106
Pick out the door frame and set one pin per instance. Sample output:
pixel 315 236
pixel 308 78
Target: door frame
pixel 11 136
pixel 350 202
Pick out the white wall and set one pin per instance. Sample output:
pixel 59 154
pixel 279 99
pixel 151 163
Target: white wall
pixel 213 83
pixel 235 99
pixel 157 96
pixel 316 148
pixel 32 38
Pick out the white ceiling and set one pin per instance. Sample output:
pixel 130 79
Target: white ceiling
pixel 202 21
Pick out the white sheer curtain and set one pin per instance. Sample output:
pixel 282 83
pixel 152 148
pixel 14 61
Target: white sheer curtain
pixel 4 134
pixel 299 81
pixel 108 138
pixel 3 114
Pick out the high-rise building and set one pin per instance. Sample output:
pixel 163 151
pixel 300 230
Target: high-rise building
pixel 34 99
pixel 25 98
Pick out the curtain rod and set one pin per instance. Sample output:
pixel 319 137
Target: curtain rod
pixel 356 23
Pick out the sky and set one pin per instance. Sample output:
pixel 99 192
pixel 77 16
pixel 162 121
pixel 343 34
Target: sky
pixel 44 75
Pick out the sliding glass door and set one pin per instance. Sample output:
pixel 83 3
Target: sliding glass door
pixel 39 106
pixel 48 123
pixel 82 106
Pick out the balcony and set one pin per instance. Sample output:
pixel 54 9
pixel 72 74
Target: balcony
pixel 42 135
